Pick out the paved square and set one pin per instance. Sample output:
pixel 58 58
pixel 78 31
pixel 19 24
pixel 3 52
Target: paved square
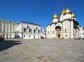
pixel 42 50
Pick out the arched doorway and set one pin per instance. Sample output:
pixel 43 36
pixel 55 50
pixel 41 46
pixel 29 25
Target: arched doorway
pixel 58 31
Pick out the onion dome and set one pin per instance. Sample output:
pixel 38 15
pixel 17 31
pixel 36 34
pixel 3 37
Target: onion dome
pixel 73 15
pixel 63 12
pixel 67 11
pixel 55 16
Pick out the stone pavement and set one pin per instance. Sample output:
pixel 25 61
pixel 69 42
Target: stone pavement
pixel 42 50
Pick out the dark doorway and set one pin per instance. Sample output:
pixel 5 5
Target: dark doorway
pixel 58 35
pixel 58 31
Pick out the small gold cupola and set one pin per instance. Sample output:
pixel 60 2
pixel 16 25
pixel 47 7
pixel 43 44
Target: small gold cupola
pixel 55 17
pixel 68 11
pixel 73 15
pixel 63 12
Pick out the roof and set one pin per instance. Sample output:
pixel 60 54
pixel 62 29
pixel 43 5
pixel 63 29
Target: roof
pixel 69 19
pixel 30 23
pixel 55 23
pixel 8 21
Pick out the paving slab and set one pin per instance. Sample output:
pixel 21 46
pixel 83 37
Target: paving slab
pixel 42 50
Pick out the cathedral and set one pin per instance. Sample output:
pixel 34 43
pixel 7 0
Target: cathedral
pixel 65 26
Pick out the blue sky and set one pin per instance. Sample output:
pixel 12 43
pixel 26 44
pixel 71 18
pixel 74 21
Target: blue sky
pixel 39 11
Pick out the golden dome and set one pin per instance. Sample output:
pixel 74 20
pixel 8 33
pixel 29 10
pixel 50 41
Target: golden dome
pixel 73 15
pixel 55 16
pixel 63 12
pixel 67 11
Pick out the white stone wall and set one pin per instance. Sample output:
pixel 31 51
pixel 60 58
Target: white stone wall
pixel 81 32
pixel 61 17
pixel 18 28
pixel 48 31
pixel 7 29
pixel 72 29
pixel 55 20
pixel 66 29
pixel 27 34
pixel 67 24
pixel 43 33
pixel 68 16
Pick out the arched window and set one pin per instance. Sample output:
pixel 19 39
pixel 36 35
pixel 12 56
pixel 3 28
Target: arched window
pixel 34 31
pixel 39 31
pixel 30 30
pixel 27 26
pixel 25 30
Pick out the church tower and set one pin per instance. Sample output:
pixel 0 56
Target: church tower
pixel 62 15
pixel 55 18
pixel 67 14
pixel 73 16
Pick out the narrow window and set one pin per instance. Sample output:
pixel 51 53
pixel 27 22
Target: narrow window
pixel 65 30
pixel 66 35
pixel 25 30
pixel 29 36
pixel 34 31
pixel 30 31
pixel 34 36
pixel 39 31
pixel 27 26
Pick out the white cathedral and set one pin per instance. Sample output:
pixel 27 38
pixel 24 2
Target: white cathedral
pixel 65 26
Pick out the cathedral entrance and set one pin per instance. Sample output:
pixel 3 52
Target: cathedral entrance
pixel 58 31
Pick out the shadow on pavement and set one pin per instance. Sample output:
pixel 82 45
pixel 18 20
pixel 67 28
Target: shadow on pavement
pixel 7 44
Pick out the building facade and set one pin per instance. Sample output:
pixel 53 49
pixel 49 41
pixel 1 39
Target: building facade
pixel 7 28
pixel 81 32
pixel 26 30
pixel 43 34
pixel 65 26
